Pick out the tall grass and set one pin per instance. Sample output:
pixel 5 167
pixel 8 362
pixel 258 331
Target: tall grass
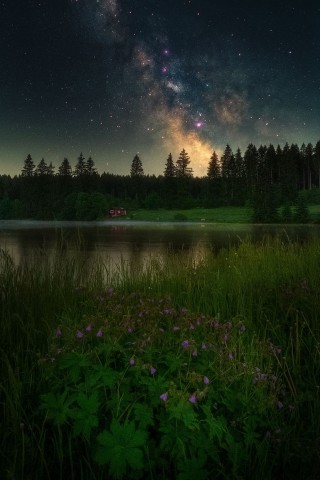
pixel 271 288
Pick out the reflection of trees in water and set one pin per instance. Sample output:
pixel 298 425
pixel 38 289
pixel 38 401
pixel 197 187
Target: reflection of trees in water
pixel 135 245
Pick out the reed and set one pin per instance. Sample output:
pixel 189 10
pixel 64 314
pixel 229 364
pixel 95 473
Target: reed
pixel 197 362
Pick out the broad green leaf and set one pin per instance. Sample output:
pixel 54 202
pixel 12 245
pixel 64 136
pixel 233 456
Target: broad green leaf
pixel 185 412
pixel 74 363
pixel 192 468
pixel 57 406
pixel 120 448
pixel 85 417
pixel 83 424
pixel 101 377
pixel 88 404
pixel 143 415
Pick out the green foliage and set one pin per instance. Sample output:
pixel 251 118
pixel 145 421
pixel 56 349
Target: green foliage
pixel 286 214
pixel 301 211
pixel 216 378
pixel 85 415
pixel 84 206
pixel 120 448
pixel 57 406
pixel 153 201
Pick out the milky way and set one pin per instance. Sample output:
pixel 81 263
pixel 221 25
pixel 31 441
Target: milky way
pixel 115 77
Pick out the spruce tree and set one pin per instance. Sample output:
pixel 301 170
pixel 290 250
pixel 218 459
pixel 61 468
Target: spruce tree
pixel 136 167
pixel 80 168
pixel 316 161
pixel 90 168
pixel 182 168
pixel 65 169
pixel 214 170
pixel 28 168
pixel 50 170
pixel 170 170
pixel 251 165
pixel 42 168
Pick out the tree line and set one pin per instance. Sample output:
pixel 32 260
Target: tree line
pixel 264 178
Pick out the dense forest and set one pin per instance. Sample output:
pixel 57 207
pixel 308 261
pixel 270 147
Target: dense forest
pixel 270 180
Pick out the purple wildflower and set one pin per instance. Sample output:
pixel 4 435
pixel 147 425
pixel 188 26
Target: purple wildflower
pixel 131 361
pixel 195 353
pixel 88 328
pixel 79 334
pixel 191 327
pixel 225 338
pixel 175 328
pixel 130 330
pixel 153 370
pixel 203 346
pixel 280 405
pixel 206 380
pixel 99 333
pixel 242 328
pixel 185 344
pixel 193 399
pixel 58 332
pixel 230 356
pixel 164 396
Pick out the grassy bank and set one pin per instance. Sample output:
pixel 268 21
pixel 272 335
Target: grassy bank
pixel 208 215
pixel 206 367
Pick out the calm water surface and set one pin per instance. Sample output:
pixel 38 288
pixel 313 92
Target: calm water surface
pixel 136 240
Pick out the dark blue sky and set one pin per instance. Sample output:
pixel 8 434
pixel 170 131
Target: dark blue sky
pixel 115 77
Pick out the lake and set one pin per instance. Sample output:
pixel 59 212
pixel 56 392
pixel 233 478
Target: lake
pixel 132 241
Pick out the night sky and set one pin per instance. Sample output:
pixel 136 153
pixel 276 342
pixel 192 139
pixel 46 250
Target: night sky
pixel 112 78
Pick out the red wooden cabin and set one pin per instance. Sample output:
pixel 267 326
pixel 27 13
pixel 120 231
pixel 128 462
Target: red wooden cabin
pixel 117 212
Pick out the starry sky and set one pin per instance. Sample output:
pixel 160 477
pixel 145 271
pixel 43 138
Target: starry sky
pixel 112 78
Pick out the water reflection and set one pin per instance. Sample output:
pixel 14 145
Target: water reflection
pixel 134 242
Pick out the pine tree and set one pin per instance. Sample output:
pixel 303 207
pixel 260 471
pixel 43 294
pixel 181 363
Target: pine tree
pixel 42 168
pixel 80 168
pixel 65 169
pixel 316 161
pixel 90 168
pixel 214 170
pixel 50 170
pixel 264 199
pixel 309 164
pixel 239 166
pixel 28 168
pixel 136 167
pixel 251 164
pixel 170 170
pixel 182 168
pixel 225 162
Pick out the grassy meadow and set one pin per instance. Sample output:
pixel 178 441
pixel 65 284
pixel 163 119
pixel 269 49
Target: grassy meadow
pixel 209 215
pixel 188 368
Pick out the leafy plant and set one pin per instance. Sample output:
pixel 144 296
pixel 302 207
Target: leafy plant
pixel 121 448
